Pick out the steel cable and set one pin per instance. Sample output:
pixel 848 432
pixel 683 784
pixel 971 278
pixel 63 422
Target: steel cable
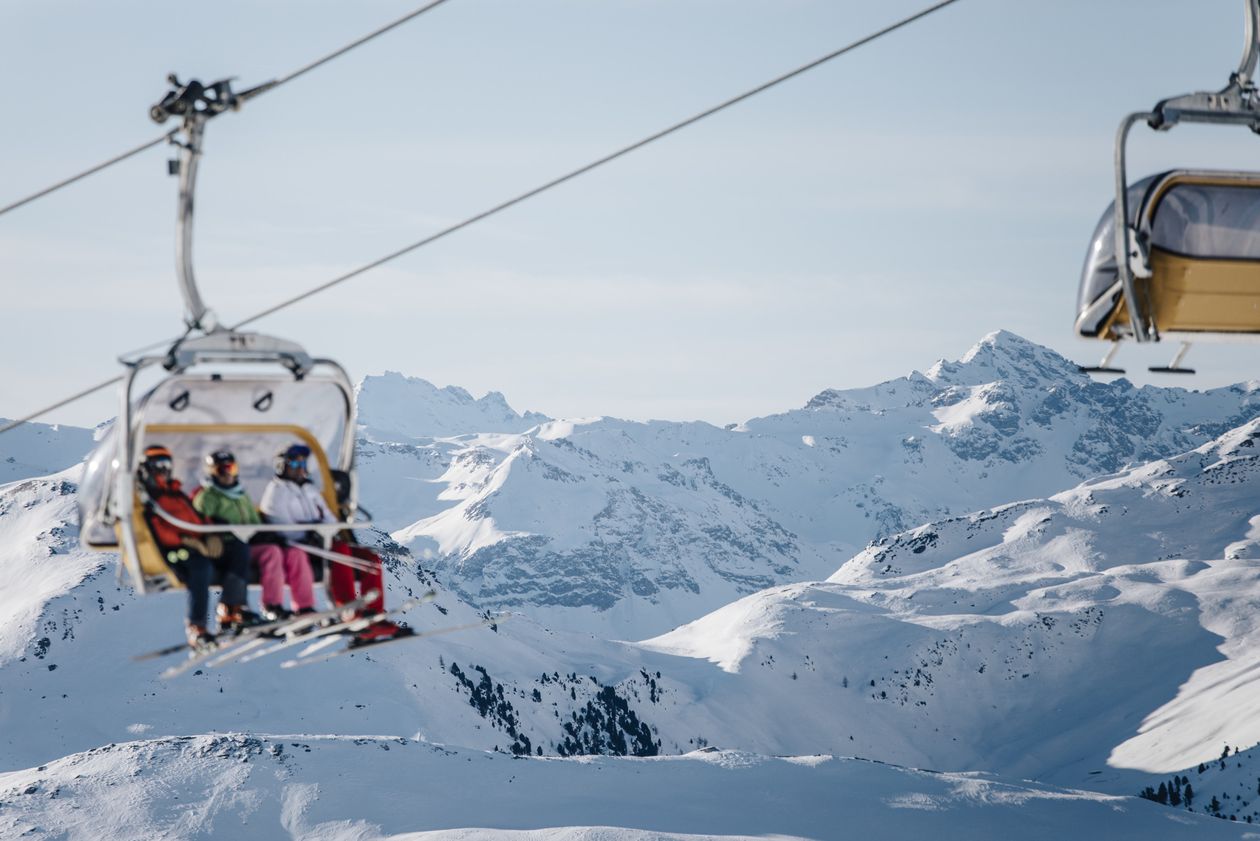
pixel 555 182
pixel 253 92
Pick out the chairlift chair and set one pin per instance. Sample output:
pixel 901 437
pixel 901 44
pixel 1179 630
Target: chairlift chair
pixel 215 397
pixel 1177 255
pixel 223 389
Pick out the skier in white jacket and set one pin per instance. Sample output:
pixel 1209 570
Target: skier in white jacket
pixel 291 497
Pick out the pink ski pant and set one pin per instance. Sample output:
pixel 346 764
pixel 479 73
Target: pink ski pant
pixel 280 564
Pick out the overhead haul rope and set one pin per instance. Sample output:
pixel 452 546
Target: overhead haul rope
pixel 166 138
pixel 555 182
pixel 250 94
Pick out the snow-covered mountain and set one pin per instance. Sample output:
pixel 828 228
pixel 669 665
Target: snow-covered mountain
pixel 36 449
pixel 784 668
pixel 1109 627
pixel 628 529
pixel 266 787
pixel 1097 637
pixel 398 409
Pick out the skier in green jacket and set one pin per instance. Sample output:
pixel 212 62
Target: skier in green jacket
pixel 224 500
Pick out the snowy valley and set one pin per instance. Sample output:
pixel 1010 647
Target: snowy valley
pixel 997 568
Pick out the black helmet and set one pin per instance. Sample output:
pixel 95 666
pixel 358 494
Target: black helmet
pixel 221 467
pixel 295 455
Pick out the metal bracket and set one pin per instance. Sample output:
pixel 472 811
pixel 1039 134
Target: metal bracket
pixel 1174 367
pixel 1138 255
pixel 193 98
pixel 1104 367
pixel 1237 102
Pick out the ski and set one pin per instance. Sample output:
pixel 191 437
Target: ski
pixel 365 646
pixel 295 627
pixel 222 649
pixel 351 626
pixel 266 628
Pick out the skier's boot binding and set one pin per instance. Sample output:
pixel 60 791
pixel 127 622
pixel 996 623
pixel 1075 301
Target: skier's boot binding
pixel 199 638
pixel 235 617
pixel 276 613
pixel 380 632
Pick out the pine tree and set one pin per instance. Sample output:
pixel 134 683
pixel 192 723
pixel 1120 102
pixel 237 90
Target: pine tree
pixel 1215 806
pixel 1174 796
pixel 1189 795
pixel 1162 794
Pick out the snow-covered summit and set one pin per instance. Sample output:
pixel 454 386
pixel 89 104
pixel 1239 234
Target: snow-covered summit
pixel 393 407
pixel 628 528
pixel 1003 355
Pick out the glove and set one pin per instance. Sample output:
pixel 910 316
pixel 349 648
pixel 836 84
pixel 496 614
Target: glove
pixel 211 545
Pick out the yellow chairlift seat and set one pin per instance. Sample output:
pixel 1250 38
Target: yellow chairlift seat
pixel 1198 240
pixel 254 445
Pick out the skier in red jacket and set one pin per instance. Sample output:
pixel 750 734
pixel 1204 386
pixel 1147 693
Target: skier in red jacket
pixel 197 560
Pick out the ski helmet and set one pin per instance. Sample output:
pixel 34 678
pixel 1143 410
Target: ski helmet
pixel 157 465
pixel 292 457
pixel 221 467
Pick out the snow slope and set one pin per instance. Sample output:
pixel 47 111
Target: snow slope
pixel 266 787
pixel 1088 638
pixel 36 449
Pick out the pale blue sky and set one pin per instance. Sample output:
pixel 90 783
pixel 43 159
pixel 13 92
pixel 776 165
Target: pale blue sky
pixel 848 227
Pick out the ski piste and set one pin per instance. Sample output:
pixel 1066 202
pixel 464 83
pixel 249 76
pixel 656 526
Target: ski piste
pixel 351 626
pixel 219 651
pixel 366 646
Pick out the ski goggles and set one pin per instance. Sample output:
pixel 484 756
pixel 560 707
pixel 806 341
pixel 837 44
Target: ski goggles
pixel 296 456
pixel 161 464
pixel 226 469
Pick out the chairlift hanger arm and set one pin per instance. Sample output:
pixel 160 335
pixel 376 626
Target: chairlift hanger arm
pixel 1237 102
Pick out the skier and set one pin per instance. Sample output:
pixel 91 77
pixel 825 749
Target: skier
pixel 196 560
pixel 291 497
pixel 224 500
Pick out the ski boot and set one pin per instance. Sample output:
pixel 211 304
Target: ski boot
pixel 275 613
pixel 200 640
pixel 380 632
pixel 236 618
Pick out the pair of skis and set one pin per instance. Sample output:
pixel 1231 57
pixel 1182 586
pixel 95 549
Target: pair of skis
pixel 295 630
pixel 311 655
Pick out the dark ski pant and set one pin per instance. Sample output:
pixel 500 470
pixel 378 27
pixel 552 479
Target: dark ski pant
pixel 198 572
